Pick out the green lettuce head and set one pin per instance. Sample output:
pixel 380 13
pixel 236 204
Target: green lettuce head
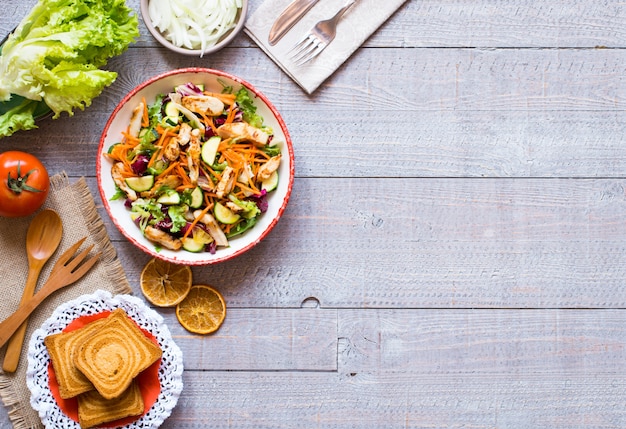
pixel 56 53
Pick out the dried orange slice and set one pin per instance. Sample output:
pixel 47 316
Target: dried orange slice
pixel 165 284
pixel 202 311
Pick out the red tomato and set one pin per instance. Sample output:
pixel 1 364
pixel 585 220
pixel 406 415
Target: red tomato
pixel 25 184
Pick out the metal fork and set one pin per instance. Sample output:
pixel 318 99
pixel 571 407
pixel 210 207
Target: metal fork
pixel 65 272
pixel 316 40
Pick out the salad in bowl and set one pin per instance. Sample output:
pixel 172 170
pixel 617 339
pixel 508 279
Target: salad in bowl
pixel 195 166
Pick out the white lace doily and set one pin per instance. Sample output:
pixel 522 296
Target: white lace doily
pixel 170 371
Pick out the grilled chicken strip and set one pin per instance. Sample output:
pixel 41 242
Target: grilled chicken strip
pixel 244 132
pixel 226 183
pixel 170 181
pixel 171 151
pixel 118 178
pixel 266 170
pixel 204 104
pixel 214 229
pixel 193 156
pixel 162 238
pixel 135 120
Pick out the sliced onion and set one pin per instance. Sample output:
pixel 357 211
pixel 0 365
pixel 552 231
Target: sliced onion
pixel 194 24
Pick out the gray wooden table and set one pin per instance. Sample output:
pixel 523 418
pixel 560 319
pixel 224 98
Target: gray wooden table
pixel 454 251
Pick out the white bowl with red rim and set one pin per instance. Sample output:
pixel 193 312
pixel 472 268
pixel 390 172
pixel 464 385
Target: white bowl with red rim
pixel 213 80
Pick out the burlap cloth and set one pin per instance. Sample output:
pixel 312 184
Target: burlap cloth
pixel 76 207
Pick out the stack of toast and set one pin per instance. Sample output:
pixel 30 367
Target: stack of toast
pixel 98 364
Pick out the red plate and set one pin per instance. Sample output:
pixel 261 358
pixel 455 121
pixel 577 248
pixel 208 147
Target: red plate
pixel 148 380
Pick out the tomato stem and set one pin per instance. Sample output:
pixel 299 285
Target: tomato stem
pixel 18 184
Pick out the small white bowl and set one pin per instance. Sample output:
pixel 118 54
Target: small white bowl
pixel 213 81
pixel 225 40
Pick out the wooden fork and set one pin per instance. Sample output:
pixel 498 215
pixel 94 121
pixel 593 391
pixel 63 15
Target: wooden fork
pixel 65 272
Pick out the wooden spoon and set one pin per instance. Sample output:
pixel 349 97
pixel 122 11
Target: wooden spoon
pixel 67 269
pixel 42 239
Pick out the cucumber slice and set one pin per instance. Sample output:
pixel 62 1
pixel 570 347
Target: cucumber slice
pixel 112 147
pixel 224 214
pixel 191 117
pixel 209 149
pixel 171 121
pixel 196 241
pixel 158 167
pixel 197 198
pixel 191 245
pixel 169 198
pixel 172 115
pixel 201 236
pixel 271 182
pixel 170 109
pixel 140 184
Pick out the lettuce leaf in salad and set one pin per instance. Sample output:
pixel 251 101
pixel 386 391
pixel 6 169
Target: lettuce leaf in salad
pixel 177 214
pixel 246 104
pixel 55 56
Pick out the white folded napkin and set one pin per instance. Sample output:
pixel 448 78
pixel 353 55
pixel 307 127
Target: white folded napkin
pixel 355 27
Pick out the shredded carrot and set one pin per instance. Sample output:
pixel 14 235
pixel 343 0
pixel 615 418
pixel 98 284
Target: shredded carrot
pixel 164 136
pixel 224 98
pixel 259 152
pixel 183 175
pixel 208 120
pixel 234 158
pixel 154 157
pixel 168 170
pixel 172 131
pixel 126 172
pixel 250 187
pixel 117 152
pixel 120 153
pixel 131 140
pixel 212 172
pixel 231 114
pixel 224 144
pixel 196 220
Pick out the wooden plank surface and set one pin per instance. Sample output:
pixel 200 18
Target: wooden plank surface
pixel 303 339
pixel 444 243
pixel 428 368
pixel 470 113
pixel 462 23
pixel 453 252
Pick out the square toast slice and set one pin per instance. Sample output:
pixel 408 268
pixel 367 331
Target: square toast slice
pixel 116 353
pixel 61 348
pixel 94 410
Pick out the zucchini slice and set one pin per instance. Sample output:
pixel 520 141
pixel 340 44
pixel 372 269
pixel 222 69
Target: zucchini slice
pixel 271 182
pixel 209 149
pixel 140 184
pixel 197 198
pixel 224 214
